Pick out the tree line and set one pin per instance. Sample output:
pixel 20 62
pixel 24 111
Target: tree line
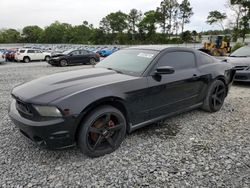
pixel 165 24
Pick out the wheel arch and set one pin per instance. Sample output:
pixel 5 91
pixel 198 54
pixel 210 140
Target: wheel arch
pixel 115 102
pixel 26 57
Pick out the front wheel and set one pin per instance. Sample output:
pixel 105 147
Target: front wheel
pixel 63 63
pixel 102 131
pixel 215 96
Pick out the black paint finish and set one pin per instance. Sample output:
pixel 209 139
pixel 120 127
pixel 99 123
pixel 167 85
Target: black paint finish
pixel 143 99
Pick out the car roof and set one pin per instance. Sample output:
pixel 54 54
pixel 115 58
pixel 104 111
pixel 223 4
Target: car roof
pixel 161 47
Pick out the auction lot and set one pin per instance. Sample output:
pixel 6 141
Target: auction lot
pixel 195 149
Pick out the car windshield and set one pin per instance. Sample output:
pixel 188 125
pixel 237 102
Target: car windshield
pixel 67 52
pixel 241 52
pixel 129 61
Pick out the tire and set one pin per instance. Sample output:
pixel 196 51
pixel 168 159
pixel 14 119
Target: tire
pixel 215 96
pixel 63 63
pixel 26 59
pixel 47 58
pixel 102 131
pixel 92 61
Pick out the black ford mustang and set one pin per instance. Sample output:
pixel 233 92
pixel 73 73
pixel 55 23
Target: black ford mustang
pixel 132 88
pixel 72 57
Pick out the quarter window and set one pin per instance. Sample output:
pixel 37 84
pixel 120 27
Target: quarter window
pixel 30 51
pixel 75 52
pixel 178 60
pixel 205 59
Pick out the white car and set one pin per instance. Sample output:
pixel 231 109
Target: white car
pixel 28 55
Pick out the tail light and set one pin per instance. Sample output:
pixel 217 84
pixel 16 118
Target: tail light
pixel 98 55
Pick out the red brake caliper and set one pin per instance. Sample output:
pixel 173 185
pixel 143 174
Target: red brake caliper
pixel 111 124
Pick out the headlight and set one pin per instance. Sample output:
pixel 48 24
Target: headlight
pixel 49 111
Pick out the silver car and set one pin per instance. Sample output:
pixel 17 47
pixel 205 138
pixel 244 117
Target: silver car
pixel 241 61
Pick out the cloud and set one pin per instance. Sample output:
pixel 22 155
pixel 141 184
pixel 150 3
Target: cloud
pixel 17 14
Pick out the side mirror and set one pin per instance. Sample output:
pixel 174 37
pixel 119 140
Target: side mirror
pixel 70 54
pixel 164 70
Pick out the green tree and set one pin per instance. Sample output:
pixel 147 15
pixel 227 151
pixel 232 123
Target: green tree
pixel 186 36
pixel 216 17
pixel 32 34
pixel 185 13
pixel 117 21
pixel 134 18
pixel 10 36
pixel 105 25
pixel 148 23
pixel 167 11
pixel 243 18
pixel 57 33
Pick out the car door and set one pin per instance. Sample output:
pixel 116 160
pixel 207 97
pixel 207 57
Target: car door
pixel 84 56
pixel 74 57
pixel 40 55
pixel 170 93
pixel 32 54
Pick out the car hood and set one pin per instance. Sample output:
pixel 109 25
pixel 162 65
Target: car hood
pixel 50 88
pixel 239 61
pixel 58 55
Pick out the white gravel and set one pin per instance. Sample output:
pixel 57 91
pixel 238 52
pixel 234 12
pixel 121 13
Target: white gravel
pixel 195 149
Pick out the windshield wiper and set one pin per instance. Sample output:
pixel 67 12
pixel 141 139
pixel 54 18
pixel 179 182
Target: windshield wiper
pixel 120 72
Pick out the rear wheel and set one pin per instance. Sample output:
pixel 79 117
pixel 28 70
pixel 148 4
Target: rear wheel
pixel 47 58
pixel 215 96
pixel 92 61
pixel 63 63
pixel 102 131
pixel 26 60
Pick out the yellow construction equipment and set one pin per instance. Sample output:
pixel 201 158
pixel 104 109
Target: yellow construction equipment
pixel 216 46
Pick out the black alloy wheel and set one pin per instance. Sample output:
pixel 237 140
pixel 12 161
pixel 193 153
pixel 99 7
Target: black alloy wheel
pixel 102 132
pixel 92 61
pixel 215 98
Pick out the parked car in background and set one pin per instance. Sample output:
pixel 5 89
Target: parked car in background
pixel 130 89
pixel 107 51
pixel 27 55
pixel 9 55
pixel 241 61
pixel 73 57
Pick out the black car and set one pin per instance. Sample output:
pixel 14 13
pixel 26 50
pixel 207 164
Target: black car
pixel 132 88
pixel 73 57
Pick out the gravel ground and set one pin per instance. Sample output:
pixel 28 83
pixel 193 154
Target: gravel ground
pixel 195 149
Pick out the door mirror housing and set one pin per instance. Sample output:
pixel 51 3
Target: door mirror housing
pixel 164 70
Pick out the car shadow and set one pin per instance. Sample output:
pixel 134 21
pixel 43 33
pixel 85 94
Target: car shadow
pixel 242 84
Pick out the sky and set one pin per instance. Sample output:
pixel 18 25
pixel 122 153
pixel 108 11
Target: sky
pixel 20 13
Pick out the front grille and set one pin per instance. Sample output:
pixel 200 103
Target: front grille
pixel 241 68
pixel 239 77
pixel 23 108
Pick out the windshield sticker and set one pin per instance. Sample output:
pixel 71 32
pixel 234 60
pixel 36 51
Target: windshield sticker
pixel 145 55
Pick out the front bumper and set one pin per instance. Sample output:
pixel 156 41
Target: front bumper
pixel 56 133
pixel 242 76
pixel 53 61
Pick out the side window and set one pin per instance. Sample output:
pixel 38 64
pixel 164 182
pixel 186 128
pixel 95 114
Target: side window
pixel 75 52
pixel 205 59
pixel 83 52
pixel 31 51
pixel 21 51
pixel 178 60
